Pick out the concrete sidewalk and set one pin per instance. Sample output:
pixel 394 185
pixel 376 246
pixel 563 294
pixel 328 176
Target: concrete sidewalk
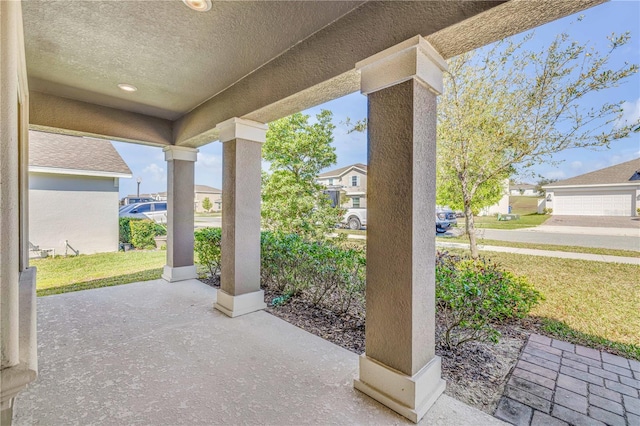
pixel 584 230
pixel 547 253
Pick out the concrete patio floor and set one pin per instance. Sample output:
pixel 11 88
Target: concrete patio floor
pixel 158 353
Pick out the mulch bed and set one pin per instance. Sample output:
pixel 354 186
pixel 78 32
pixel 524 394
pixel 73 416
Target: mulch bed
pixel 476 373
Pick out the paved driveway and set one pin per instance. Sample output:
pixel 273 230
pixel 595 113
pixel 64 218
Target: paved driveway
pixel 594 221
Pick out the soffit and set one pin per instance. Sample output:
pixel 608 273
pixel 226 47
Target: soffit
pixel 176 57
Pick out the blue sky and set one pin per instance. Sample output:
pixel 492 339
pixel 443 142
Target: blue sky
pixel 599 22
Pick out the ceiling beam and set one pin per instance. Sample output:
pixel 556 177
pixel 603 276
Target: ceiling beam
pixel 55 114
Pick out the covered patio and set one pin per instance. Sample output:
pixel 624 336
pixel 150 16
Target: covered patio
pixel 182 74
pixel 158 353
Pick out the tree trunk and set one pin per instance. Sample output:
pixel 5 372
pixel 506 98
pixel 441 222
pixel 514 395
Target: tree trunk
pixel 470 228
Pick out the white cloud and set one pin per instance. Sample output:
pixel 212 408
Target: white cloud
pixel 209 169
pixel 576 165
pixel 555 174
pixel 631 112
pixel 209 161
pixel 155 173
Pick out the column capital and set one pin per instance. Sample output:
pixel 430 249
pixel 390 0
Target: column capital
pixel 180 153
pixel 413 58
pixel 239 128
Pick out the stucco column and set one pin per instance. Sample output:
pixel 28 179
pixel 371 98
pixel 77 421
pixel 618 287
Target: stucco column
pixel 18 341
pixel 180 196
pixel 399 368
pixel 240 292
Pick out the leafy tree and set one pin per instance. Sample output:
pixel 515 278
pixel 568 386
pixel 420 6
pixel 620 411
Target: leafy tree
pixel 206 204
pixel 292 200
pixel 506 108
pixel 542 182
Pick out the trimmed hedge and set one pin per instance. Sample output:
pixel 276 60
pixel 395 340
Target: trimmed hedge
pixel 472 296
pixel 125 229
pixel 142 233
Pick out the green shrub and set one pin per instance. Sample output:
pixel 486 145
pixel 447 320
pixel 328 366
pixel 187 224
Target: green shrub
pixel 321 272
pixel 142 233
pixel 125 229
pixel 160 229
pixel 474 295
pixel 207 245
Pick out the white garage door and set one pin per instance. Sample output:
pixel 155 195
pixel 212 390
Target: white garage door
pixel 605 203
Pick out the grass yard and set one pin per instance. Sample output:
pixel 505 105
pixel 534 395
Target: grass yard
pixel 591 303
pixel 492 222
pixel 523 205
pixel 64 274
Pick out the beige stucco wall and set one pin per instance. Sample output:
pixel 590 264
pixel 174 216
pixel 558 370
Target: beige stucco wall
pixel 80 209
pixel 215 198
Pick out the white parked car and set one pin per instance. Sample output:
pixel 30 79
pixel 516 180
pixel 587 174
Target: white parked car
pixel 355 219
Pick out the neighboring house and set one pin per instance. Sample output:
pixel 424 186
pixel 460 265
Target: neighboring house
pixel 73 194
pixel 613 191
pixel 200 193
pixel 502 206
pixel 214 195
pixel 351 180
pixel 525 189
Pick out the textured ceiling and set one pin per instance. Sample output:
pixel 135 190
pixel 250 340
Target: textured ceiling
pixel 259 60
pixel 176 57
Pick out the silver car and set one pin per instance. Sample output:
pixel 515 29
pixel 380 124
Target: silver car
pixel 155 210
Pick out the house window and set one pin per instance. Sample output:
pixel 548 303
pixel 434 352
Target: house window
pixel 355 180
pixel 331 181
pixel 356 201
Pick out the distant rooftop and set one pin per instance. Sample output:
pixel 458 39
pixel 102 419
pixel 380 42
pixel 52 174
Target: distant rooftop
pixel 519 186
pixel 620 173
pixel 342 170
pixel 205 188
pixel 55 151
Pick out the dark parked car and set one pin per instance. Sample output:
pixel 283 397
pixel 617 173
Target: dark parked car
pixel 445 213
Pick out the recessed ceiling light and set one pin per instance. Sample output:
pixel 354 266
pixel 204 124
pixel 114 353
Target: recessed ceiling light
pixel 127 87
pixel 199 5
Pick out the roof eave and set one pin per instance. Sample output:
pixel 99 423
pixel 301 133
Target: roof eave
pixel 78 172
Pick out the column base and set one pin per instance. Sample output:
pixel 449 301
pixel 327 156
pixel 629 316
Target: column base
pixel 234 306
pixel 179 273
pixel 409 396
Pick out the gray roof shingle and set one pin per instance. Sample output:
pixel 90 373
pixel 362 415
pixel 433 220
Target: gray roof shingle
pixel 207 189
pixel 341 170
pixel 73 152
pixel 620 173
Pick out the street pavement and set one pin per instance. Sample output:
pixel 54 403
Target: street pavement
pixel 208 222
pixel 610 238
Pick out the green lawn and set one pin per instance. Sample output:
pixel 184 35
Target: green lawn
pixel 591 303
pixel 64 274
pixel 523 205
pixel 492 222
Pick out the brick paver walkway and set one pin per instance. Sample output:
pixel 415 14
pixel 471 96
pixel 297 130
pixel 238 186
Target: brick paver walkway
pixel 559 383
